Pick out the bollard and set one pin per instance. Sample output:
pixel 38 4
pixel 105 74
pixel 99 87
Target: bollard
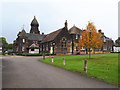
pixel 52 59
pixel 85 66
pixel 63 61
pixel 43 57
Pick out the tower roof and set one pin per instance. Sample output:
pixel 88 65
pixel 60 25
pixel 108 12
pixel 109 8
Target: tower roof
pixel 34 21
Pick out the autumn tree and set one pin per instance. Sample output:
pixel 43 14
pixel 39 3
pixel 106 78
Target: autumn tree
pixel 90 38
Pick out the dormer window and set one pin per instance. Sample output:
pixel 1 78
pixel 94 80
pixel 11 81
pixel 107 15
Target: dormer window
pixel 23 40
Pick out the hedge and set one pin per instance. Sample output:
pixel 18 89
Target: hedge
pixel 23 54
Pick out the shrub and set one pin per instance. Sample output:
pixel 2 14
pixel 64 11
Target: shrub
pixel 34 54
pixel 23 54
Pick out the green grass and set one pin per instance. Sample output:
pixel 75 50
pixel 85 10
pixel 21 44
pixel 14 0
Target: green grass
pixel 103 67
pixel 2 54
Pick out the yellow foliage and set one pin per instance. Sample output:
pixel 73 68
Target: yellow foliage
pixel 90 38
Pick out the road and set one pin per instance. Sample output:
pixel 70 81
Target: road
pixel 29 72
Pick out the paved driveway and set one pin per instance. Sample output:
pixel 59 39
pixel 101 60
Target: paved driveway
pixel 28 72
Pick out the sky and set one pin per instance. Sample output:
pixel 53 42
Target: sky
pixel 51 15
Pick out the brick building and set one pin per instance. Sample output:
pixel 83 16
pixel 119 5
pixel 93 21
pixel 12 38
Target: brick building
pixel 61 41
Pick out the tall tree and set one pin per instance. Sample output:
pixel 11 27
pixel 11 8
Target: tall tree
pixel 90 38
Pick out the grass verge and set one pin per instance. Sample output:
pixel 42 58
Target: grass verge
pixel 103 67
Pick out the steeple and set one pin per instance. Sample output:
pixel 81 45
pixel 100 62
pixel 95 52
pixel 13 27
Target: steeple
pixel 66 24
pixel 34 26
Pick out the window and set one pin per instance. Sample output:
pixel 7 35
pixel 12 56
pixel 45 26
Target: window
pixel 43 47
pixel 23 48
pixel 23 40
pixel 104 47
pixel 82 48
pixel 40 47
pixel 47 47
pixel 36 42
pixel 104 39
pixel 64 42
pixel 76 36
pixel 17 49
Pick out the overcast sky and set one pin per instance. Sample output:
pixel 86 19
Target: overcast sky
pixel 51 15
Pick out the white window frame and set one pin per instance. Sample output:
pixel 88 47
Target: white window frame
pixel 23 40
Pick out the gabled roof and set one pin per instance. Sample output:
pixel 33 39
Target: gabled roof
pixel 75 30
pixel 34 45
pixel 37 37
pixel 22 33
pixel 52 35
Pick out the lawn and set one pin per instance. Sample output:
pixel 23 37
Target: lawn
pixel 2 55
pixel 103 67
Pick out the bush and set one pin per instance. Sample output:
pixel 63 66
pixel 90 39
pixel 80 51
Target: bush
pixel 34 54
pixel 23 54
pixel 49 54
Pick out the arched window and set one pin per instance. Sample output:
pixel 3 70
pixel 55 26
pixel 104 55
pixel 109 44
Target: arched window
pixel 64 43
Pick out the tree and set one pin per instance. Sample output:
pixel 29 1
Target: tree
pixel 90 38
pixel 117 41
pixel 4 43
pixel 10 46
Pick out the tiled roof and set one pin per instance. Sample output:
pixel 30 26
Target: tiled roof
pixel 75 30
pixel 51 36
pixel 37 37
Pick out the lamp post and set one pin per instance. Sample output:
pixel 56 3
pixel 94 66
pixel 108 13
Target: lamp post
pixel 53 44
pixel 89 41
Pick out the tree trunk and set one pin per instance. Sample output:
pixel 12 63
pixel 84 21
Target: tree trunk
pixel 86 51
pixel 94 51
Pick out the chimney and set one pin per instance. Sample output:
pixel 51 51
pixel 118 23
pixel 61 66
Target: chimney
pixel 100 31
pixel 66 24
pixel 42 33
